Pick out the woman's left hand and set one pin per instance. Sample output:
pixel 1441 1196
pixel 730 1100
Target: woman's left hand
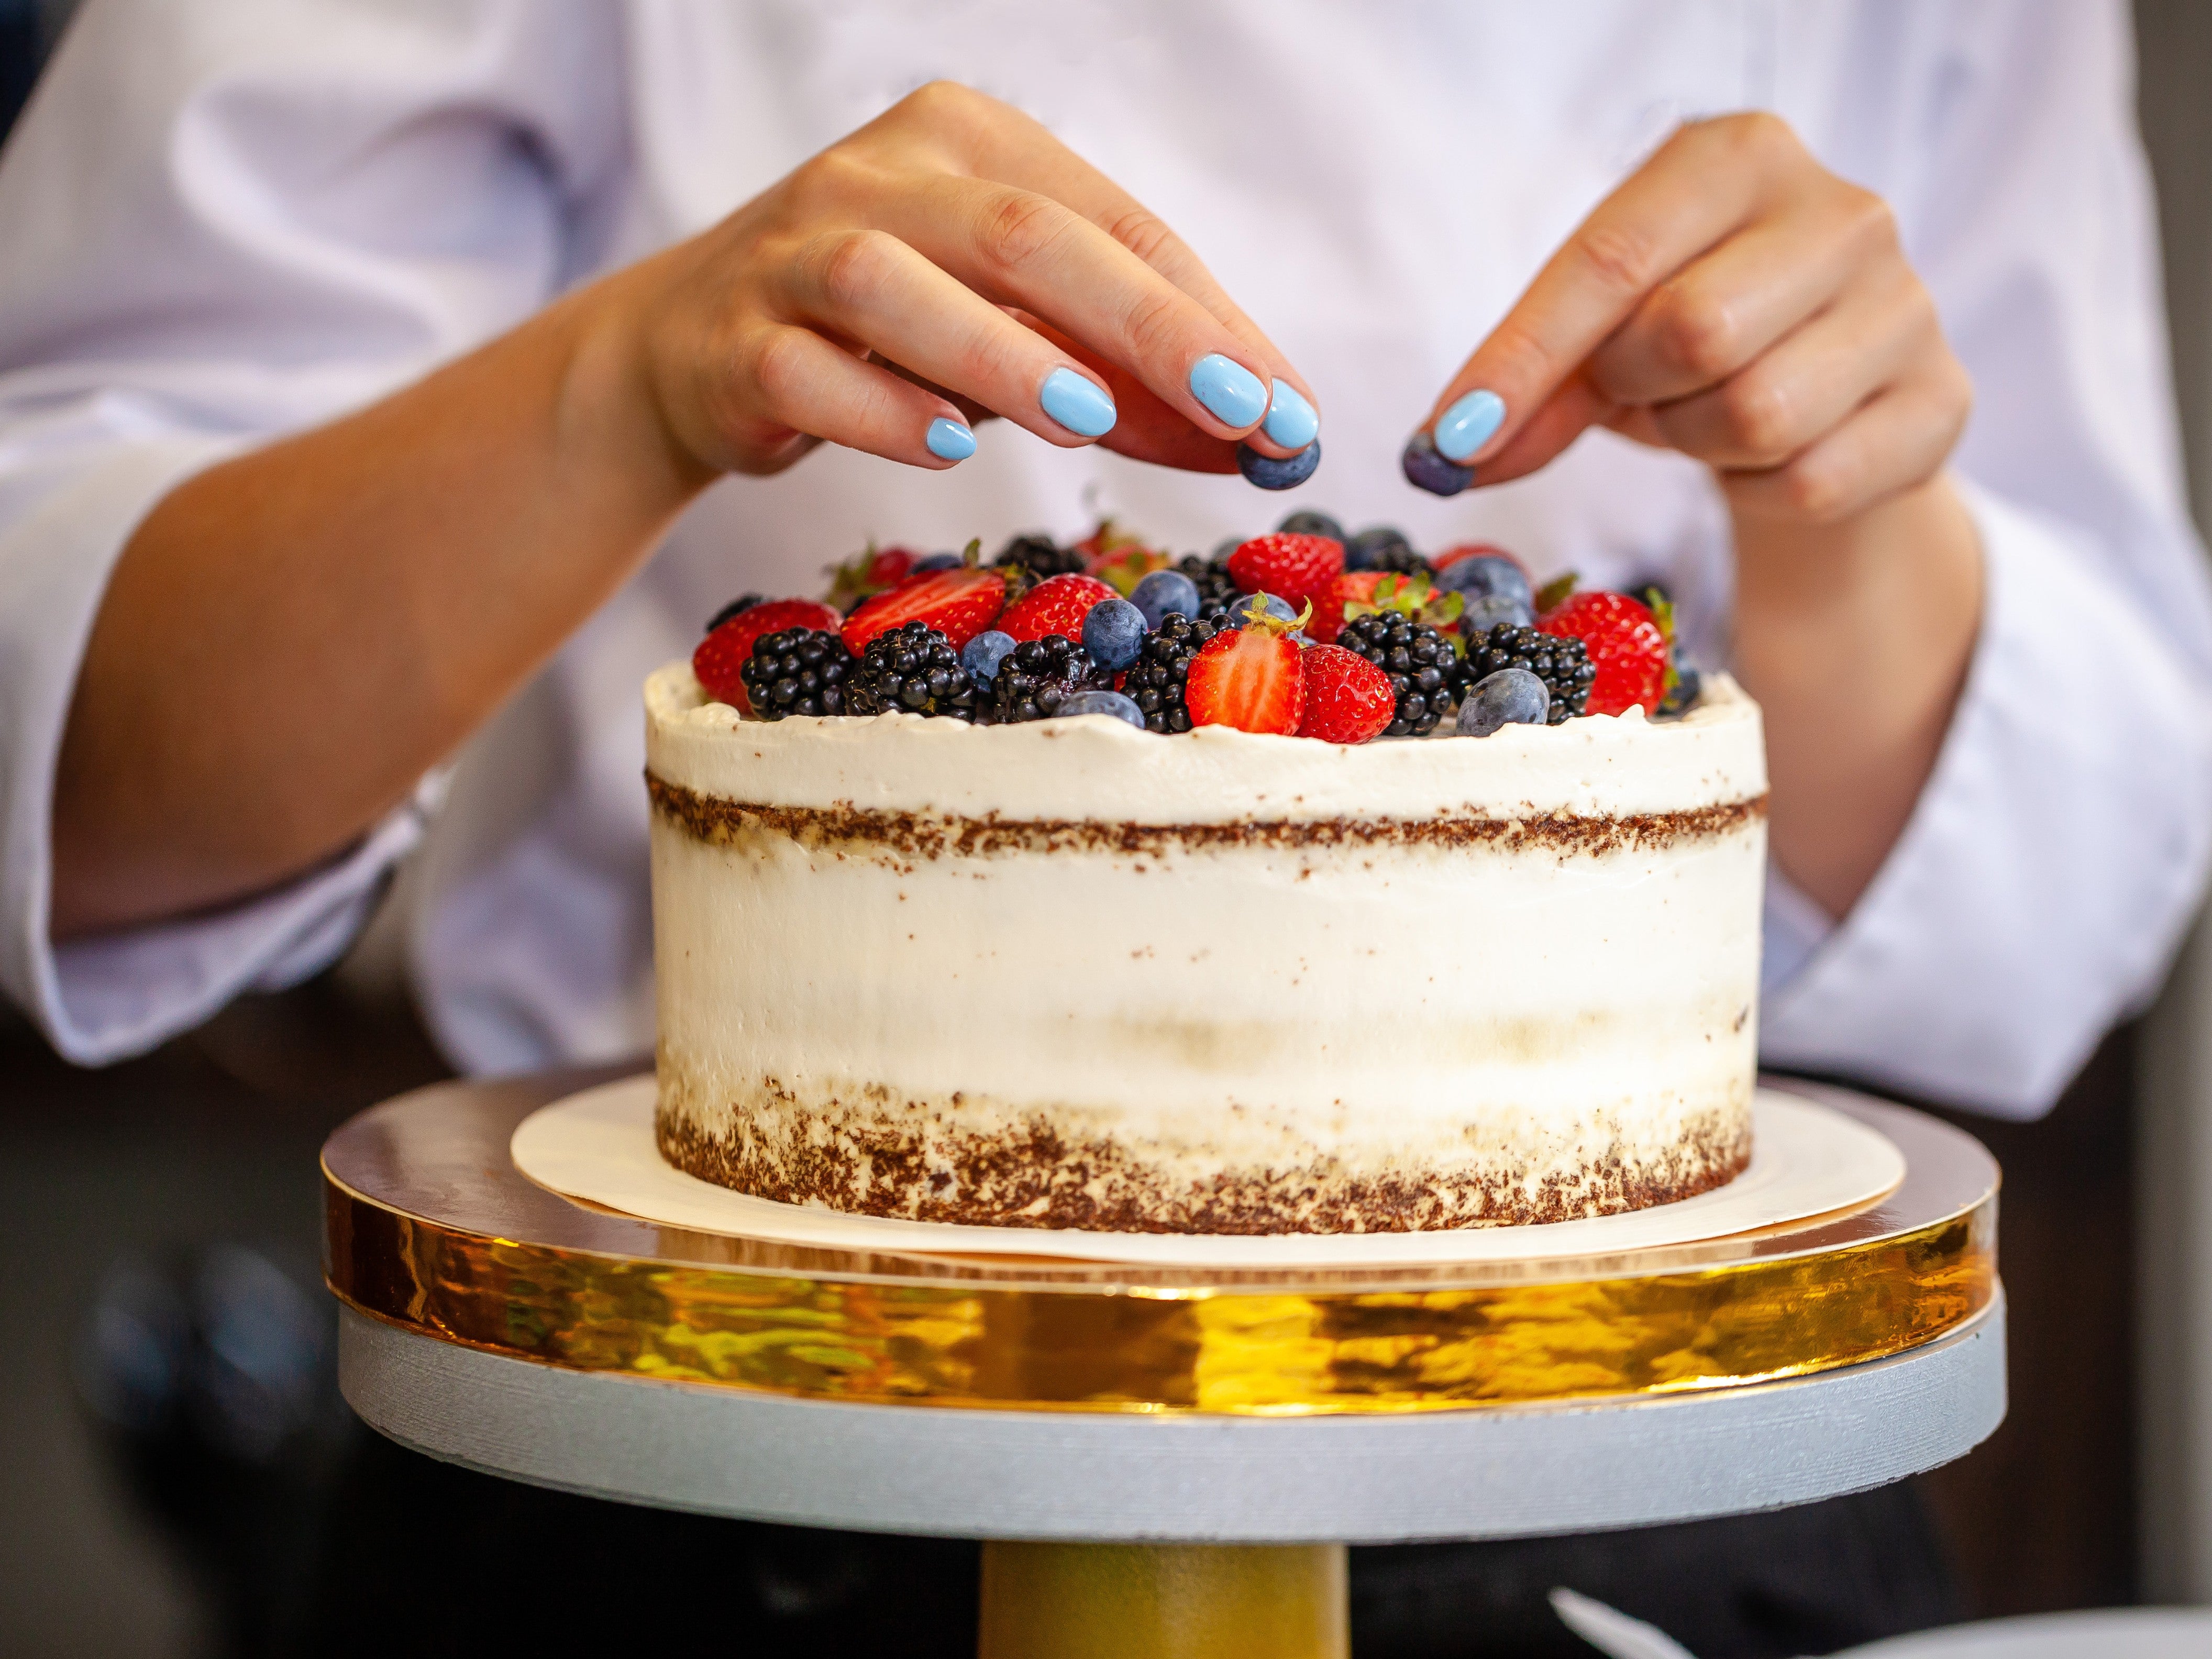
pixel 1736 301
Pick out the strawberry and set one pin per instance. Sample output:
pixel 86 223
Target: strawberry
pixel 1347 698
pixel 721 655
pixel 869 572
pixel 1293 567
pixel 1624 642
pixel 1056 605
pixel 1352 587
pixel 958 603
pixel 1248 677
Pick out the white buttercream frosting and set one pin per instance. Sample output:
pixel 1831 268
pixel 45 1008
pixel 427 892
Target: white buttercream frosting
pixel 1540 1016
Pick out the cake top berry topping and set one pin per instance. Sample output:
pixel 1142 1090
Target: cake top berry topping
pixel 1303 631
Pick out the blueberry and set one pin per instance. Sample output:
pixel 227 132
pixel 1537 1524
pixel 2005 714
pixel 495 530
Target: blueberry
pixel 1429 471
pixel 1377 548
pixel 1511 696
pixel 1270 474
pixel 939 561
pixel 982 656
pixel 1311 524
pixel 1113 633
pixel 1102 702
pixel 1485 611
pixel 1165 593
pixel 1486 573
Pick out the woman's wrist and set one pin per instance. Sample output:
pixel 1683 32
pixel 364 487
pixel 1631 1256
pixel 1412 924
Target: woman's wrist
pixel 1856 637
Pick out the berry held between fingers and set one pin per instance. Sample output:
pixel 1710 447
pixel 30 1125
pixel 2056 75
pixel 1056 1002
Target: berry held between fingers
pixel 797 671
pixel 1420 662
pixel 1561 663
pixel 1038 675
pixel 911 669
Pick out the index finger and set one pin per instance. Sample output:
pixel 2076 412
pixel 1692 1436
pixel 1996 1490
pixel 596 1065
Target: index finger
pixel 1012 148
pixel 1702 183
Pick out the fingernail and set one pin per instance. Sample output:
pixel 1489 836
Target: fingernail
pixel 1467 425
pixel 1269 473
pixel 1291 422
pixel 1080 405
pixel 1230 389
pixel 1422 466
pixel 948 440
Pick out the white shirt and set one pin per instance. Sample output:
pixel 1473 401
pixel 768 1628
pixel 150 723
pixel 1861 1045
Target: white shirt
pixel 224 221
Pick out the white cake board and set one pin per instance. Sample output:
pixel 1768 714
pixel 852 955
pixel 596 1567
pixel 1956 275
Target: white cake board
pixel 1807 1160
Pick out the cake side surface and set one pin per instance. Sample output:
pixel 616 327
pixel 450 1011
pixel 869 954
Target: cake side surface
pixel 1073 974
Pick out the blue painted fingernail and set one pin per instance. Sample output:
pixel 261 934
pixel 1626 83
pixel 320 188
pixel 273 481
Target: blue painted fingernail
pixel 1291 422
pixel 1467 425
pixel 1077 404
pixel 948 440
pixel 1230 389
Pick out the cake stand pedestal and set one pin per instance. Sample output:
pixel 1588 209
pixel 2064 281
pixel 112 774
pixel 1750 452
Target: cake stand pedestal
pixel 1167 1460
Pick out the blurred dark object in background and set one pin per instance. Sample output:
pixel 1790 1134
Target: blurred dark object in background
pixel 28 29
pixel 212 1378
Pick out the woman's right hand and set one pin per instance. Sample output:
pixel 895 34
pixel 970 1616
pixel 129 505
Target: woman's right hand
pixel 949 261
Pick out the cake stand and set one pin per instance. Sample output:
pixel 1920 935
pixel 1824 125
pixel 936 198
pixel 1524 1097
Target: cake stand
pixel 1161 1461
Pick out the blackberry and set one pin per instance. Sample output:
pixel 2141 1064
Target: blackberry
pixel 1042 557
pixel 1561 662
pixel 797 671
pixel 1383 548
pixel 1156 680
pixel 914 670
pixel 1216 588
pixel 736 607
pixel 1422 668
pixel 1037 676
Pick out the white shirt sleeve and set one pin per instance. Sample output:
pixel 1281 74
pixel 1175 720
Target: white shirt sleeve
pixel 224 221
pixel 2059 846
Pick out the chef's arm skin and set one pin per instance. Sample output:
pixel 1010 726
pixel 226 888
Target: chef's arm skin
pixel 293 637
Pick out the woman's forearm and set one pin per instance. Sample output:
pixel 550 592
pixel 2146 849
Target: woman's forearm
pixel 1856 639
pixel 293 637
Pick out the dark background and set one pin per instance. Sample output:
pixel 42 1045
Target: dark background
pixel 215 1137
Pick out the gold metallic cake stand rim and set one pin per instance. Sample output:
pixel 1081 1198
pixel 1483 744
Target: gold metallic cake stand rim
pixel 430 1227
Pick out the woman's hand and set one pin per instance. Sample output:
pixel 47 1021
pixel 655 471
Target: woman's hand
pixel 1736 301
pixel 951 259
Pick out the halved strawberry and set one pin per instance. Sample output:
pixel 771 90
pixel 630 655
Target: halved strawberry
pixel 722 654
pixel 1056 605
pixel 958 603
pixel 1352 587
pixel 1291 566
pixel 1247 678
pixel 1347 698
pixel 1626 644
